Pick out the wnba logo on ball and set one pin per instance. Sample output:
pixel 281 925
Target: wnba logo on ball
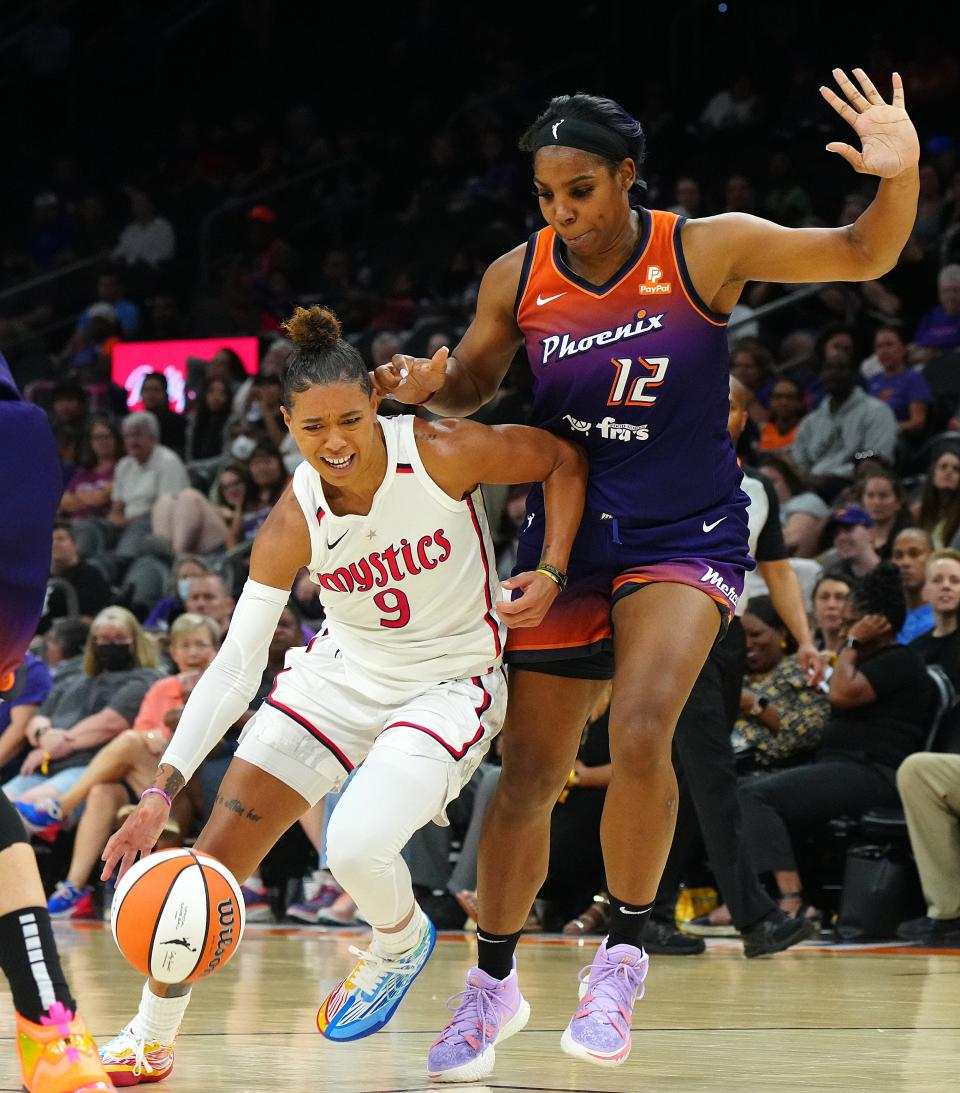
pixel 227 915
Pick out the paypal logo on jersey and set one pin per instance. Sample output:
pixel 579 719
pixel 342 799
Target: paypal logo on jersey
pixel 559 346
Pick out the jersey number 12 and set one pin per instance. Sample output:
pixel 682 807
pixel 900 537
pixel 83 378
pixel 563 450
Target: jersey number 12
pixel 656 368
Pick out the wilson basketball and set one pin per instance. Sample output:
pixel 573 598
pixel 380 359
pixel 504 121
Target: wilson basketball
pixel 178 915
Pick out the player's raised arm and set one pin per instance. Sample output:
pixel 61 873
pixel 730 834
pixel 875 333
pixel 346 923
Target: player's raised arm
pixel 458 383
pixel 467 453
pixel 224 691
pixel 741 248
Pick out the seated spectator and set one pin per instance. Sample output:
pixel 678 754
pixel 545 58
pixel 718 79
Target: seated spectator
pixel 122 769
pixel 929 786
pixel 68 420
pixel 938 510
pixel 148 239
pixel 803 513
pixel 881 496
pixel 166 611
pixel 89 492
pixel 208 595
pixel 939 329
pixel 781 717
pixel 830 595
pixel 147 472
pixel 786 409
pixel 268 477
pixel 189 523
pixel 110 291
pixel 911 552
pixel 905 391
pixel 16 713
pixel 156 400
pixel 64 646
pixel 853 555
pixel 206 428
pixel 88 710
pixel 752 363
pixel 847 421
pixel 878 698
pixel 941 645
pixel 87 582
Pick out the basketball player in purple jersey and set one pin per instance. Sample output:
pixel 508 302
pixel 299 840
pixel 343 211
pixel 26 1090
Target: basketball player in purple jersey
pixel 623 314
pixel 56 1052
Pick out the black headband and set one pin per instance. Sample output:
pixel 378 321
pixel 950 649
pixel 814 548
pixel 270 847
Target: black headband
pixel 585 135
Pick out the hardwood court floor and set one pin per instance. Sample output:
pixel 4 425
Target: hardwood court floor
pixel 804 1020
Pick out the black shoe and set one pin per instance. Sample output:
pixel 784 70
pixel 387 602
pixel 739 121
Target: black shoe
pixel 776 932
pixel 664 939
pixel 930 931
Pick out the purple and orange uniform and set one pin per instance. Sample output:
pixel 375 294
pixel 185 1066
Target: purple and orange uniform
pixel 637 371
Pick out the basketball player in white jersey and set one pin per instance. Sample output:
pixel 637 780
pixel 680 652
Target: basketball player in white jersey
pixel 405 677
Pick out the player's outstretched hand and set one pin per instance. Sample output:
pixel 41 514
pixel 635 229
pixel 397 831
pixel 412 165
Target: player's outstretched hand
pixel 538 591
pixel 411 380
pixel 812 664
pixel 137 837
pixel 888 138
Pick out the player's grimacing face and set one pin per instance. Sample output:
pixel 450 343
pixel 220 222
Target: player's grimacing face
pixel 581 198
pixel 335 427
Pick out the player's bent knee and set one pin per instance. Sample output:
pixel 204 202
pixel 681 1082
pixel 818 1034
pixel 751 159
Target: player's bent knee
pixel 526 788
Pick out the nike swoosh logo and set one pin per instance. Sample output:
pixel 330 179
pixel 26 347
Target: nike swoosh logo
pixel 626 912
pixel 541 300
pixel 709 527
pixel 330 546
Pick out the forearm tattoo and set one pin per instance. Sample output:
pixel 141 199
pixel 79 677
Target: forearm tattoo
pixel 236 806
pixel 174 780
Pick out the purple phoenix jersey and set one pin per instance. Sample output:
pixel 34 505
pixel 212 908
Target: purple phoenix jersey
pixel 637 371
pixel 30 487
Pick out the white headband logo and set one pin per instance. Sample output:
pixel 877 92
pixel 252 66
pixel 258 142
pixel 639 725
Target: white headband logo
pixel 556 127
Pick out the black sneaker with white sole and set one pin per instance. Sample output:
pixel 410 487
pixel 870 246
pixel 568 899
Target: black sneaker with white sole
pixel 664 939
pixel 776 932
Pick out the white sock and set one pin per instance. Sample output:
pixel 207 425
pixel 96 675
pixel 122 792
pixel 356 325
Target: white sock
pixel 403 940
pixel 159 1018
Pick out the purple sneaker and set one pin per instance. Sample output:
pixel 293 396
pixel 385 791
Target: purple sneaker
pixel 309 909
pixel 600 1029
pixel 489 1011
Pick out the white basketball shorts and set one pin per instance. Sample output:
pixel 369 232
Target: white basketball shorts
pixel 314 728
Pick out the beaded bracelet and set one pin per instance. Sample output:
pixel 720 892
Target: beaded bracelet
pixel 160 793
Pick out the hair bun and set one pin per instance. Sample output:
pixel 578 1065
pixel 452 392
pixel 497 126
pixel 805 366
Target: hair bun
pixel 313 328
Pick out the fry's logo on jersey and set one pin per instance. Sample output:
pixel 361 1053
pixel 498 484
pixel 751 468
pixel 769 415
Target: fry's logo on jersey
pixel 654 285
pixel 564 346
pixel 383 567
pixel 614 430
pixel 579 426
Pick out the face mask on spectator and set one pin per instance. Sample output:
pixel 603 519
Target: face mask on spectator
pixel 242 447
pixel 113 656
pixel 183 588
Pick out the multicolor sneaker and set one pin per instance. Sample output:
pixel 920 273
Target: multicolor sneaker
pixel 59 1055
pixel 309 909
pixel 600 1029
pixel 64 899
pixel 488 1012
pixel 130 1060
pixel 366 1000
pixel 256 904
pixel 43 818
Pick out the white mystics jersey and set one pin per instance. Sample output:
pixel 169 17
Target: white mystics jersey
pixel 410 590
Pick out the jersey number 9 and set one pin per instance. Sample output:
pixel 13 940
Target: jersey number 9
pixel 392 601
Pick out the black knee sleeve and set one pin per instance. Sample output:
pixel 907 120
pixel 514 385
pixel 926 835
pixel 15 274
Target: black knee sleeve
pixel 11 826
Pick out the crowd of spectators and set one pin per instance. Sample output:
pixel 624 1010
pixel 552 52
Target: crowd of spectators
pixel 854 399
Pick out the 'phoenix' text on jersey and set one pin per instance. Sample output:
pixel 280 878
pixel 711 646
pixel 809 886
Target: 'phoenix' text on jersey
pixel 569 347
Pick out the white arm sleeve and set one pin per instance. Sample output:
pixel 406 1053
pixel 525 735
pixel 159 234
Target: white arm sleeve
pixel 225 689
